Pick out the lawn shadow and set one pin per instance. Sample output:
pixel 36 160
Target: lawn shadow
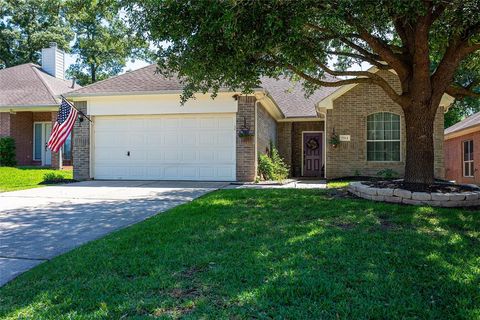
pixel 264 254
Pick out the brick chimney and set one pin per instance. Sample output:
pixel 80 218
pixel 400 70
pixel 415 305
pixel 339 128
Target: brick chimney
pixel 53 61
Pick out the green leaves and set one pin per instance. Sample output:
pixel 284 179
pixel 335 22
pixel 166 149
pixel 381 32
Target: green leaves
pixel 104 40
pixel 27 26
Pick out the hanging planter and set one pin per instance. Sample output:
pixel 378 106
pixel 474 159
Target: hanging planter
pixel 245 131
pixel 334 140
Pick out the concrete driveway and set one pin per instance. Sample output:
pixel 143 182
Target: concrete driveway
pixel 39 224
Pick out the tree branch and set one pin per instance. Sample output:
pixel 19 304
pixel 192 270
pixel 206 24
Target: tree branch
pixel 461 92
pixel 376 63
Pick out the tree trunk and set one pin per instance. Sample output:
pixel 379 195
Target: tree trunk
pixel 420 157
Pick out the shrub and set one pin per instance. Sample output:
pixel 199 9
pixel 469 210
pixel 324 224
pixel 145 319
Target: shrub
pixel 7 152
pixel 387 174
pixel 52 177
pixel 272 167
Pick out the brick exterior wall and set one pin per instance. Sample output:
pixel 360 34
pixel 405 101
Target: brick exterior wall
pixel 81 145
pixel 19 126
pixel 266 131
pixel 284 141
pixel 290 142
pixel 4 124
pixel 349 117
pixel 246 162
pixel 454 158
pixel 297 141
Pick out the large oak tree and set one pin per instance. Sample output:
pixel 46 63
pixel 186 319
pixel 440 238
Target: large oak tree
pixel 233 43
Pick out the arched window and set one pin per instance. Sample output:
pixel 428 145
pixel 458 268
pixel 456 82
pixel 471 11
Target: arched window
pixel 383 137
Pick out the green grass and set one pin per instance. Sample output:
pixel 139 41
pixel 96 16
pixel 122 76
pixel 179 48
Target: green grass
pixel 25 178
pixel 283 254
pixel 337 184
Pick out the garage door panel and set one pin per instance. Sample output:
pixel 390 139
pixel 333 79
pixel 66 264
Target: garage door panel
pixel 185 147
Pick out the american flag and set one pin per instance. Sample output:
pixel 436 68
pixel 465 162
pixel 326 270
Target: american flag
pixel 66 117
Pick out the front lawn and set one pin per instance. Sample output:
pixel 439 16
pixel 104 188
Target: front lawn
pixel 248 254
pixel 25 178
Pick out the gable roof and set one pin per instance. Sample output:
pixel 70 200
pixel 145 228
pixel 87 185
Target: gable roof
pixel 468 123
pixel 289 96
pixel 28 85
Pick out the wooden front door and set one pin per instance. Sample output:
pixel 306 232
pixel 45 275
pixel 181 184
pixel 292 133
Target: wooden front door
pixel 312 154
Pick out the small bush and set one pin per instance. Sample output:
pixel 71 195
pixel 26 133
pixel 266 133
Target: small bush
pixel 387 174
pixel 52 177
pixel 272 167
pixel 7 152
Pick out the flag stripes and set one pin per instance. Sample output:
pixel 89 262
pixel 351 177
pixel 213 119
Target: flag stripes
pixel 67 115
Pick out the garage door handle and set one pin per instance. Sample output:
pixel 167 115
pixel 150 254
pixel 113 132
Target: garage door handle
pixel 128 153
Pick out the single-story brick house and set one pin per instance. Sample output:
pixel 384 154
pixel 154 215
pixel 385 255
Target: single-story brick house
pixel 462 152
pixel 139 130
pixel 29 99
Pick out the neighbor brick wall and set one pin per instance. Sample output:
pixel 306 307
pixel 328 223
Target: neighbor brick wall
pixel 454 158
pixel 81 145
pixel 4 124
pixel 21 129
pixel 349 117
pixel 266 131
pixel 246 162
pixel 297 141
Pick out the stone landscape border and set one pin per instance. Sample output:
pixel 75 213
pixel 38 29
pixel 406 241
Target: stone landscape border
pixel 450 200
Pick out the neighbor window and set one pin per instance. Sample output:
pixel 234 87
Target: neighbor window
pixel 37 144
pixel 383 137
pixel 468 169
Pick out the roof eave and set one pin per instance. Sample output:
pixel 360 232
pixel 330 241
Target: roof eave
pixel 462 132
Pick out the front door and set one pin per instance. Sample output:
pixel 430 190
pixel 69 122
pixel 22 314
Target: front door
pixel 41 135
pixel 312 154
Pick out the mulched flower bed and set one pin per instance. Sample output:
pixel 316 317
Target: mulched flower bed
pixel 437 187
pixel 58 181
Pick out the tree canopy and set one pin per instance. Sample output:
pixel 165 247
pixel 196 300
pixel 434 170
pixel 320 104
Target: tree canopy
pixel 104 40
pixel 27 26
pixel 233 43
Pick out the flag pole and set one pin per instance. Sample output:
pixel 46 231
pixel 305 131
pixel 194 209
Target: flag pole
pixel 73 106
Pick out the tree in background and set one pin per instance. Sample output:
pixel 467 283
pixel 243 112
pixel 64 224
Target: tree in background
pixel 234 43
pixel 104 40
pixel 27 26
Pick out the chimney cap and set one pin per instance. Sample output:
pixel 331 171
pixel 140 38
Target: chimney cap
pixel 53 44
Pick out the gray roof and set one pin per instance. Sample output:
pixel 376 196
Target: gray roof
pixel 28 85
pixel 289 96
pixel 469 122
pixel 291 99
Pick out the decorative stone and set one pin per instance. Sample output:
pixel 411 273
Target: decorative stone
pixel 422 196
pixel 371 191
pixel 387 192
pixel 393 199
pixel 471 196
pixel 405 194
pixel 452 204
pixel 440 196
pixel 378 198
pixel 362 188
pixel 365 196
pixel 414 202
pixel 456 196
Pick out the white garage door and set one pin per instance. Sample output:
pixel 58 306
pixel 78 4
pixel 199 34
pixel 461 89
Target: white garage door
pixel 181 147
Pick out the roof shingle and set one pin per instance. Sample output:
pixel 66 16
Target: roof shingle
pixel 290 97
pixel 28 85
pixel 471 121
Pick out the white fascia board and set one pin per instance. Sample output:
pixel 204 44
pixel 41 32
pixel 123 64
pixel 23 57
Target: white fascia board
pixel 38 108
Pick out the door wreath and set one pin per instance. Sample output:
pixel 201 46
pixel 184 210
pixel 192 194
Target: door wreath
pixel 312 144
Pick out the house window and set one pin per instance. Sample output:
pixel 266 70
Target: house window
pixel 468 169
pixel 383 137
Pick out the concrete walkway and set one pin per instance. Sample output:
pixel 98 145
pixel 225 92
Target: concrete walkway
pixel 294 184
pixel 39 224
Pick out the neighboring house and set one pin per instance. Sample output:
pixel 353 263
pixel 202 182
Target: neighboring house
pixel 140 131
pixel 29 100
pixel 462 152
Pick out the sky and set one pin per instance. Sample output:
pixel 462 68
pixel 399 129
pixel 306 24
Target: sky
pixel 70 59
